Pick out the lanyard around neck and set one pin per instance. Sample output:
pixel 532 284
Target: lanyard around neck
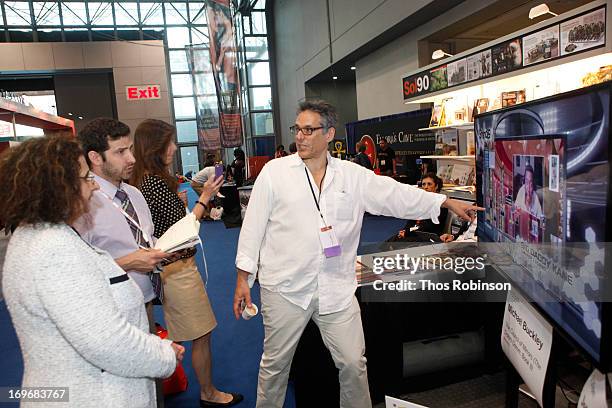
pixel 314 197
pixel 128 217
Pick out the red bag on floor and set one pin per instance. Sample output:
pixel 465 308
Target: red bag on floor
pixel 177 382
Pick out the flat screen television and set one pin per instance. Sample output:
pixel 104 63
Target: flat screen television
pixel 543 175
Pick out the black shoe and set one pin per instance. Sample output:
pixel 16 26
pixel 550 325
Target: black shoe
pixel 236 398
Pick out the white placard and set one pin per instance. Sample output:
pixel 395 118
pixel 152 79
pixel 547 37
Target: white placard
pixel 526 340
pixel 593 393
pixel 391 402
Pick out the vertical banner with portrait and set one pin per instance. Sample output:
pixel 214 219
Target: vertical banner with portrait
pixel 207 110
pixel 223 54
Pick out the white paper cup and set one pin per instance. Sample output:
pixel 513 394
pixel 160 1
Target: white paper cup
pixel 250 312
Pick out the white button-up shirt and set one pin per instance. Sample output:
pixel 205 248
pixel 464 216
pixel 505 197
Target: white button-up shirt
pixel 106 227
pixel 280 233
pixel 203 175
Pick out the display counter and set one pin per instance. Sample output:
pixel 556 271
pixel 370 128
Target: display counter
pixel 414 340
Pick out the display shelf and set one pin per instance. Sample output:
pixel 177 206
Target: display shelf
pixel 460 195
pixel 547 77
pixel 468 158
pixel 466 125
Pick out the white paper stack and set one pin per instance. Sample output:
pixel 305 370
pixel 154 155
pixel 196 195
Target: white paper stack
pixel 183 234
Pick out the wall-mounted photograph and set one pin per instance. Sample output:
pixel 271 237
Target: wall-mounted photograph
pixel 507 57
pixel 541 46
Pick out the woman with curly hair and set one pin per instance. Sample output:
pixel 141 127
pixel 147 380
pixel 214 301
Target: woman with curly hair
pixel 80 320
pixel 187 310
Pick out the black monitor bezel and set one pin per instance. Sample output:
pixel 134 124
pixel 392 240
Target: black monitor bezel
pixel 604 364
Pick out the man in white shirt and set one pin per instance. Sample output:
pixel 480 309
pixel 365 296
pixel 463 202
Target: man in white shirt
pixel 526 198
pixel 305 271
pixel 208 171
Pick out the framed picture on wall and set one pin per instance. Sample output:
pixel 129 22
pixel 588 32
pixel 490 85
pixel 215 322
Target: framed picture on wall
pixel 436 116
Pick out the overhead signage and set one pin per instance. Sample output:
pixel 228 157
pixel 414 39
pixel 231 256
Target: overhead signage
pixel 526 340
pixel 573 35
pixel 142 92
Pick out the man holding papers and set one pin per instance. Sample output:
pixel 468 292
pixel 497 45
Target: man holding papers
pixel 120 221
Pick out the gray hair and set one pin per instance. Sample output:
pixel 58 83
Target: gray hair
pixel 327 111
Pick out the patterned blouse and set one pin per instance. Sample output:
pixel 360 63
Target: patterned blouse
pixel 165 205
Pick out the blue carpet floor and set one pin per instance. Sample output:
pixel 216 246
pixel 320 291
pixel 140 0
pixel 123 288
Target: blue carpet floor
pixel 236 345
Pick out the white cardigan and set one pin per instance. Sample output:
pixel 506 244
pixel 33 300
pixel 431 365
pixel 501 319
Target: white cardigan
pixel 77 327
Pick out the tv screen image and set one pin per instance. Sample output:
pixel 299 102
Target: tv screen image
pixel 543 176
pixel 524 207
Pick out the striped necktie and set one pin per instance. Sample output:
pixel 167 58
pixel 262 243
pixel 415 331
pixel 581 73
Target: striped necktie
pixel 127 206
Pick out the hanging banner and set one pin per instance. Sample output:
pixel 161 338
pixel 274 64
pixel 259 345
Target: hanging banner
pixel 207 111
pixel 223 59
pixel 401 131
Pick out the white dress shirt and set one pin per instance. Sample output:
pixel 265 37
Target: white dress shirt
pixel 280 239
pixel 203 175
pixel 106 227
pixel 521 202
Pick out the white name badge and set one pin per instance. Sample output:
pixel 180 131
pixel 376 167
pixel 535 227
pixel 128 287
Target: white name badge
pixel 382 162
pixel 329 242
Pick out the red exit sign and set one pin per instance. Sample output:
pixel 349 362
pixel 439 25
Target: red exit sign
pixel 140 92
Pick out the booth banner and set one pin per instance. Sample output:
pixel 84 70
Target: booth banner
pixel 526 339
pixel 401 131
pixel 223 61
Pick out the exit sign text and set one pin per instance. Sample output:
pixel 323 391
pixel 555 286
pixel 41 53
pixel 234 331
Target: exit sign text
pixel 140 92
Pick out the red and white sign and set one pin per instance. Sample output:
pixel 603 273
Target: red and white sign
pixel 140 92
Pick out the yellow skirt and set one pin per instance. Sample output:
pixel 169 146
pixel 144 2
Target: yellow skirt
pixel 187 310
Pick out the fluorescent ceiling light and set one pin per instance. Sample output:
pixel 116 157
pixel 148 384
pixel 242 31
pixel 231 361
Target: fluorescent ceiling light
pixel 437 54
pixel 540 10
